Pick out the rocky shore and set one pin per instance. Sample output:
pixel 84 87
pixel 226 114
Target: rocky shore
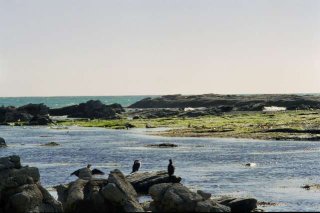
pixel 231 102
pixel 21 191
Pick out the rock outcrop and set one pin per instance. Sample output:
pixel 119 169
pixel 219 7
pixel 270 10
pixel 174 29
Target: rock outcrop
pixel 21 191
pixel 91 109
pixel 239 204
pixel 231 102
pixel 2 143
pixel 30 113
pixel 99 195
pixel 143 181
pixel 174 197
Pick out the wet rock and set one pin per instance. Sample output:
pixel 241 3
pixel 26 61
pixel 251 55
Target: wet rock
pixel 240 204
pixel 2 143
pixel 168 197
pixel 162 145
pixel 143 181
pixel 20 189
pixel 51 144
pixel 311 186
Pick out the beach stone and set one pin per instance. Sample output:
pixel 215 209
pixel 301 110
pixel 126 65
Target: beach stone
pixel 211 206
pixel 2 143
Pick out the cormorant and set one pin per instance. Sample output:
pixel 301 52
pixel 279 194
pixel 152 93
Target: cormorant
pixel 136 166
pixel 170 168
pixel 86 173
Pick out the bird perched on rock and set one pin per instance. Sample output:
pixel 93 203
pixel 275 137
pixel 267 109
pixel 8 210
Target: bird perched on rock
pixel 170 168
pixel 86 173
pixel 136 166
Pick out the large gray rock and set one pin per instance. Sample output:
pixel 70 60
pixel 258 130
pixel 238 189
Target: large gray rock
pixel 99 195
pixel 168 197
pixel 20 189
pixel 2 143
pixel 131 203
pixel 143 181
pixel 239 204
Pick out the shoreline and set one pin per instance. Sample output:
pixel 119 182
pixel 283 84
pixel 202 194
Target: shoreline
pixel 302 125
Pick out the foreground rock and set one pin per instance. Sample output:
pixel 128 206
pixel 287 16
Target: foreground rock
pixel 115 194
pixel 168 197
pixel 2 143
pixel 239 204
pixel 20 189
pixel 231 102
pixel 143 181
pixel 91 109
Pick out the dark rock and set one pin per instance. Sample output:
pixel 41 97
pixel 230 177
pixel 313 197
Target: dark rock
pixel 2 143
pixel 143 181
pixel 34 109
pixel 51 144
pixel 20 189
pixel 225 103
pixel 91 109
pixel 162 145
pixel 40 120
pixel 311 186
pixel 168 197
pixel 240 204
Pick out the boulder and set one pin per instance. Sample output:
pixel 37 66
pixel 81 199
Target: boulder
pixel 20 189
pixel 174 197
pixel 239 204
pixel 2 143
pixel 99 195
pixel 130 204
pixel 143 181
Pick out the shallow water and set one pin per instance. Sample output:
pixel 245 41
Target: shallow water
pixel 213 165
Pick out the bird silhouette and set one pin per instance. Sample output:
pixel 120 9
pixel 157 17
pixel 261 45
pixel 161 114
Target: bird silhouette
pixel 86 172
pixel 136 166
pixel 170 168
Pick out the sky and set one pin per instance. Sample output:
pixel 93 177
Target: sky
pixel 154 47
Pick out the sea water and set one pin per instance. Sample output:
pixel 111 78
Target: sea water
pixel 210 164
pixel 57 102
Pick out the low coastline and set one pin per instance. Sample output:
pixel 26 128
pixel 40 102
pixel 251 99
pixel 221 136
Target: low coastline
pixel 287 125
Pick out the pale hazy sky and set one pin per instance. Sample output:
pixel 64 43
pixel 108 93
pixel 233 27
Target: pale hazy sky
pixel 126 47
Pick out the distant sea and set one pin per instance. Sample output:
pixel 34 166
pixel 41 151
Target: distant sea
pixel 57 102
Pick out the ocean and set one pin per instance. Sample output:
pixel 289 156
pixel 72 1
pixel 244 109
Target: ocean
pixel 57 102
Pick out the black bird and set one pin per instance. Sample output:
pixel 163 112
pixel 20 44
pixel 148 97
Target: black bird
pixel 86 173
pixel 170 168
pixel 136 166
